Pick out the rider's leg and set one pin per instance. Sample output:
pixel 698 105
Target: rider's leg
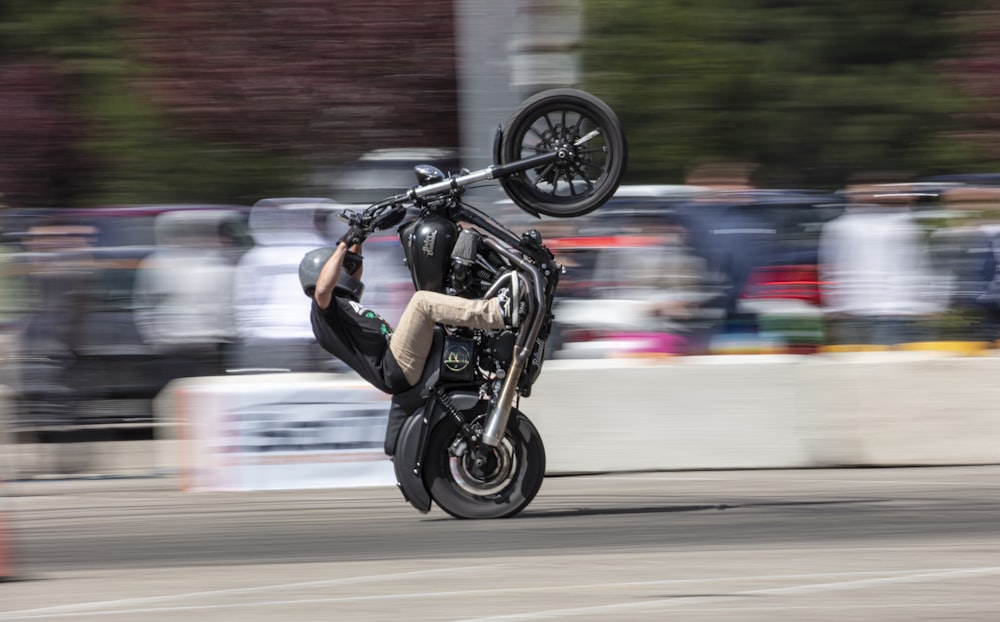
pixel 411 341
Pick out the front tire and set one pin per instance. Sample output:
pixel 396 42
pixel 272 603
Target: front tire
pixel 502 487
pixel 574 123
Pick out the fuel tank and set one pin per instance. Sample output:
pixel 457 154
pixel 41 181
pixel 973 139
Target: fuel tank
pixel 427 244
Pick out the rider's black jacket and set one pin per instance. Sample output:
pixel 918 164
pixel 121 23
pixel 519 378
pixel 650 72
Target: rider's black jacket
pixel 359 337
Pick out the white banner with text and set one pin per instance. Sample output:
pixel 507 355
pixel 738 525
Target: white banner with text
pixel 281 432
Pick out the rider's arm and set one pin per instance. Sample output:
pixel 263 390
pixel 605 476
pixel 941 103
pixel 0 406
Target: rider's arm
pixel 330 274
pixel 328 277
pixel 361 268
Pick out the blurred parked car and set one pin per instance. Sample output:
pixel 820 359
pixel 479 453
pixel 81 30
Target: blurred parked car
pixel 630 294
pixel 631 285
pixel 80 356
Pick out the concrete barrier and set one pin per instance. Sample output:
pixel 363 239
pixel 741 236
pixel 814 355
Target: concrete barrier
pixel 860 409
pixel 717 412
pixel 22 456
pixel 89 459
pixel 900 408
pixel 683 413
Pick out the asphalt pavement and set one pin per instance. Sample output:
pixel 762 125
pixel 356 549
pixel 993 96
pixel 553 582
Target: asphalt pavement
pixel 836 544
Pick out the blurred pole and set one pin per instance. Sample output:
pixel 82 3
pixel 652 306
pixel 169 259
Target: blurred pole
pixel 506 52
pixel 485 90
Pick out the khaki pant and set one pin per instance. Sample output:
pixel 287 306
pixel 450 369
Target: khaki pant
pixel 411 341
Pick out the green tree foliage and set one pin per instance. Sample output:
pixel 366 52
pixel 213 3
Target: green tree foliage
pixel 42 46
pixel 77 131
pixel 812 92
pixel 113 101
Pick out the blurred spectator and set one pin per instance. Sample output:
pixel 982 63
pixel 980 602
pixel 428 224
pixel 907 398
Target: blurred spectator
pixel 877 285
pixel 183 292
pixel 60 270
pixel 968 250
pixel 272 315
pixel 732 239
pixel 677 285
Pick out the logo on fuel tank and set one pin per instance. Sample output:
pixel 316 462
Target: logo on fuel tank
pixel 429 243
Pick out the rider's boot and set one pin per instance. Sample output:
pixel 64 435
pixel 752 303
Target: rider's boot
pixel 511 305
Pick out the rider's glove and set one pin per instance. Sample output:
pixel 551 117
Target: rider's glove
pixel 354 235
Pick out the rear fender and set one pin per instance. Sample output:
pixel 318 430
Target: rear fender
pixel 412 444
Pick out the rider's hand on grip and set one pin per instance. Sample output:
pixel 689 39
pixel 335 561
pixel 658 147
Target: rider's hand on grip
pixel 354 235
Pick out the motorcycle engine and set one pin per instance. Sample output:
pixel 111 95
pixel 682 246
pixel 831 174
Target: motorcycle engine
pixel 474 266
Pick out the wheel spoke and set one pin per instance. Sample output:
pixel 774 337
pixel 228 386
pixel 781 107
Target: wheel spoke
pixel 569 182
pixel 583 176
pixel 548 122
pixel 588 163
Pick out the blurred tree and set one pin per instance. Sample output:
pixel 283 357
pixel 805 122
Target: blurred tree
pixel 811 92
pixel 976 70
pixel 117 101
pixel 217 100
pixel 75 132
pixel 315 79
pixel 40 164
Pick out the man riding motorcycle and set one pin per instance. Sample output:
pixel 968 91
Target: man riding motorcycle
pixel 391 360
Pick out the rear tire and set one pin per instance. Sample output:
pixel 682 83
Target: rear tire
pixel 556 120
pixel 502 488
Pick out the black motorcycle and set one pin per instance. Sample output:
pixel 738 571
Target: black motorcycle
pixel 458 437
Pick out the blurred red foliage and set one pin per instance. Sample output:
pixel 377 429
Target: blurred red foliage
pixel 39 166
pixel 975 73
pixel 312 78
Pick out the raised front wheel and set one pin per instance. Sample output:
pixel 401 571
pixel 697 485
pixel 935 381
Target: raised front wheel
pixel 467 481
pixel 590 144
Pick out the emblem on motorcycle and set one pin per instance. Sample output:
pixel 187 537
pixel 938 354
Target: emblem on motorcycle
pixel 457 357
pixel 429 241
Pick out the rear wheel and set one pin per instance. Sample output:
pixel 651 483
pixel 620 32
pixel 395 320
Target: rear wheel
pixel 500 484
pixel 592 150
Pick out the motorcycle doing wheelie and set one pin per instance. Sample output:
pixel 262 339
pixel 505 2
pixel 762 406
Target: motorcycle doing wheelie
pixel 458 438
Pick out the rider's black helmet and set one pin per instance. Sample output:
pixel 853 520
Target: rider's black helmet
pixel 347 286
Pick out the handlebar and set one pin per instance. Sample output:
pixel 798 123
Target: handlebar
pixel 375 216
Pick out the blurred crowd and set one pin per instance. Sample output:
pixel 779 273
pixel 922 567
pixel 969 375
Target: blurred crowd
pixel 719 266
pixel 102 307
